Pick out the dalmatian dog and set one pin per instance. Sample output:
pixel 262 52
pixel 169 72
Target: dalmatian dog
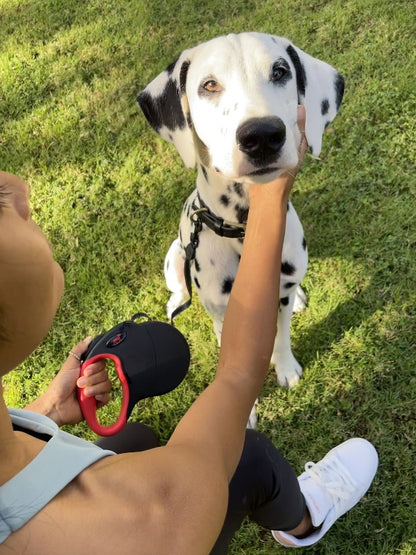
pixel 229 106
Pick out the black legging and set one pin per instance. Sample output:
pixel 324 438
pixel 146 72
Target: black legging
pixel 264 486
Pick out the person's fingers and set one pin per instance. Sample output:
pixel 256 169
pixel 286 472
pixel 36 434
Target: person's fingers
pixel 95 368
pixel 102 400
pixel 78 350
pixel 303 145
pixel 301 118
pixel 93 379
pixel 101 388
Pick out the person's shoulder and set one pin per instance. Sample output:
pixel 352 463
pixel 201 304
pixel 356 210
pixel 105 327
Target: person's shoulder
pixel 158 494
pixel 155 501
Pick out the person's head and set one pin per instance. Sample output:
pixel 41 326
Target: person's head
pixel 31 282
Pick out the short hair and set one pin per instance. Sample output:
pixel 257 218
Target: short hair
pixel 4 193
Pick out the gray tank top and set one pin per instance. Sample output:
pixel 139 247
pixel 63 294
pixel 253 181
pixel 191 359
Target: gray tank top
pixel 60 461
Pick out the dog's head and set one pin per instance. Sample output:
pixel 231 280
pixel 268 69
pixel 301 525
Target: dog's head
pixel 231 104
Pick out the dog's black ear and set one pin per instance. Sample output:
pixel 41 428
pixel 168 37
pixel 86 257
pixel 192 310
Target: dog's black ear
pixel 165 106
pixel 320 89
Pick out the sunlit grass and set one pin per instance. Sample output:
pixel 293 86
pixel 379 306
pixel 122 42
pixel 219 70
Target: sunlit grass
pixel 108 193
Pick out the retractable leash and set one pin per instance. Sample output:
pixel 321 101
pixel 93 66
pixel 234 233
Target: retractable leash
pixel 151 358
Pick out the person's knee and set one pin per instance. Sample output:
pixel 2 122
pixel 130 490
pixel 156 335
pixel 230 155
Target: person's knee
pixel 259 451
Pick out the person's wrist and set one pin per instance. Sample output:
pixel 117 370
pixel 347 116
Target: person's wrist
pixel 44 405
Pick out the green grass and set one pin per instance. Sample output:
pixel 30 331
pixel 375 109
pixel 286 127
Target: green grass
pixel 108 193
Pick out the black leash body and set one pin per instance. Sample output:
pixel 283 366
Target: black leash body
pixel 203 215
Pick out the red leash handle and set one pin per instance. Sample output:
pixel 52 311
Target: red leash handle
pixel 89 404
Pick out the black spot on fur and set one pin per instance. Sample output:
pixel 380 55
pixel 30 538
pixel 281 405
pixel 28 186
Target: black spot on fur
pixel 304 244
pixel 324 106
pixel 284 301
pixel 197 266
pixel 197 282
pixel 167 265
pixel 163 110
pixel 227 285
pixel 301 80
pixel 339 89
pixel 212 262
pixel 289 285
pixel 183 74
pixel 288 268
pixel 204 172
pixel 240 240
pixel 238 188
pixel 171 67
pixel 225 201
pixel 242 214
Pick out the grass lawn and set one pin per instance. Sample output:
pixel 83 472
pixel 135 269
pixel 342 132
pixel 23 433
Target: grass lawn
pixel 108 193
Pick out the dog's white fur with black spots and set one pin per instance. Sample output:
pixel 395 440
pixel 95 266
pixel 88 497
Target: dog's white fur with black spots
pixel 229 106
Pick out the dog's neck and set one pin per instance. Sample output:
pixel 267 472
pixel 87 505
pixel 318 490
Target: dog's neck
pixel 226 198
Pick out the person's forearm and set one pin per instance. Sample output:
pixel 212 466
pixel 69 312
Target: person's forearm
pixel 217 419
pixel 250 323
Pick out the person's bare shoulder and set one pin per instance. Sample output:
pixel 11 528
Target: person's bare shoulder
pixel 158 501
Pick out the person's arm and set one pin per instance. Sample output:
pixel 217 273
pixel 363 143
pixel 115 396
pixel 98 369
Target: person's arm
pixel 60 401
pixel 215 423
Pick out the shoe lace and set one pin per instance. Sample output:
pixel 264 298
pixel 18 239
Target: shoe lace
pixel 333 476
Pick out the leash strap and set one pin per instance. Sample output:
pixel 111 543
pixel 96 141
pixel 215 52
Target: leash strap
pixel 203 215
pixel 190 251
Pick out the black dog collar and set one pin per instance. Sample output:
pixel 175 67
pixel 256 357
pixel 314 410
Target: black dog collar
pixel 218 225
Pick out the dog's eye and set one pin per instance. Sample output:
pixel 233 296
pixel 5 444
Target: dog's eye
pixel 278 72
pixel 211 86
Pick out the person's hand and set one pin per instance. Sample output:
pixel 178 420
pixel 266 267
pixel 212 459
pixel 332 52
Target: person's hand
pixel 60 401
pixel 284 182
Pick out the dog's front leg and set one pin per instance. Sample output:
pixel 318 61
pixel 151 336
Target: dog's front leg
pixel 175 276
pixel 288 369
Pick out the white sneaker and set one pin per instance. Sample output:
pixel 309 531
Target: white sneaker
pixel 332 486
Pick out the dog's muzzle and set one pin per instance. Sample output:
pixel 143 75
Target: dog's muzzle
pixel 261 139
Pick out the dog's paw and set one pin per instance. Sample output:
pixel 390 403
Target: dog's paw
pixel 300 300
pixel 288 371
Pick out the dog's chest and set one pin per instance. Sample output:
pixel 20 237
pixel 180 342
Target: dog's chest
pixel 217 257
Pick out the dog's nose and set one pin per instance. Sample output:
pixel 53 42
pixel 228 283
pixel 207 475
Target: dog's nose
pixel 261 138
